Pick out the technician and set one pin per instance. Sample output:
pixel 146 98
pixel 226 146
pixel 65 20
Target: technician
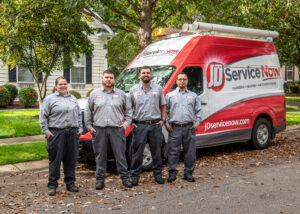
pixel 60 120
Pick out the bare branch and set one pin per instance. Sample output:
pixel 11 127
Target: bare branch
pixel 167 16
pixel 121 27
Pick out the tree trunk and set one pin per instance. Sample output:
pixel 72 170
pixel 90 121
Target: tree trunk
pixel 145 31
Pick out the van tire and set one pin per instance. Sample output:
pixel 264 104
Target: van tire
pixel 147 157
pixel 261 134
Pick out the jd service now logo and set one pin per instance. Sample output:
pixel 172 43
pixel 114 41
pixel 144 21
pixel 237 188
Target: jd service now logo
pixel 217 74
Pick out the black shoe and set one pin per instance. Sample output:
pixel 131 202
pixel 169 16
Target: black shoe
pixel 171 178
pixel 72 188
pixel 134 181
pixel 159 179
pixel 127 183
pixel 189 178
pixel 51 191
pixel 99 185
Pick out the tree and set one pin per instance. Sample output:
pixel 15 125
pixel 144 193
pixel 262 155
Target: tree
pixel 139 17
pixel 280 15
pixel 43 35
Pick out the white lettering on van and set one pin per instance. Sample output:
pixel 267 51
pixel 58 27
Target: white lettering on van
pixel 228 123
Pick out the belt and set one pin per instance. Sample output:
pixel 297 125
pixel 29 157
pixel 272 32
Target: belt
pixel 149 122
pixel 181 125
pixel 60 129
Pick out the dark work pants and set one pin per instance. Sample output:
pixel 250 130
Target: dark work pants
pixel 62 147
pixel 142 134
pixel 184 136
pixel 116 137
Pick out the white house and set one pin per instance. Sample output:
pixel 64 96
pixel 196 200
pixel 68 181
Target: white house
pixel 83 76
pixel 290 73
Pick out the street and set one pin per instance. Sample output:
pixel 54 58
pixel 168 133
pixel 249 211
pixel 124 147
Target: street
pixel 229 179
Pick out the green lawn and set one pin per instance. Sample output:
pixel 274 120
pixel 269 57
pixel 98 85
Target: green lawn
pixel 293 118
pixel 22 152
pixel 296 99
pixel 19 123
pixel 291 108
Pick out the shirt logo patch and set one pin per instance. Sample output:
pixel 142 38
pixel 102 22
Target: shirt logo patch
pixel 154 93
pixel 99 96
pixel 57 100
pixel 115 96
pixel 189 97
pixel 137 94
pixel 175 97
pixel 72 100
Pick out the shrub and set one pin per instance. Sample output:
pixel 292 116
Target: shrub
pixel 4 96
pixel 292 87
pixel 13 91
pixel 89 92
pixel 75 93
pixel 27 96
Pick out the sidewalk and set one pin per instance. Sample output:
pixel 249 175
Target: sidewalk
pixel 19 167
pixel 18 140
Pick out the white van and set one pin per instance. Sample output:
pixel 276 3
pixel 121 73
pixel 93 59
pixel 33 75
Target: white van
pixel 234 71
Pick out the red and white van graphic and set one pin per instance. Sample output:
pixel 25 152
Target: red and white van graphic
pixel 236 78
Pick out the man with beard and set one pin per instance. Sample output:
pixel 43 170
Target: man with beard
pixel 149 112
pixel 104 112
pixel 183 119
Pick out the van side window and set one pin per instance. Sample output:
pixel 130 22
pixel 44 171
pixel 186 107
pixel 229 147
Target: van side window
pixel 195 79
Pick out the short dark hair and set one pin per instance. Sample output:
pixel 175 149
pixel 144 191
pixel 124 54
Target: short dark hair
pixel 182 73
pixel 108 71
pixel 146 67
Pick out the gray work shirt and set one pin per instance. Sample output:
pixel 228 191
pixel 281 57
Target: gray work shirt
pixel 146 104
pixel 183 108
pixel 107 109
pixel 60 112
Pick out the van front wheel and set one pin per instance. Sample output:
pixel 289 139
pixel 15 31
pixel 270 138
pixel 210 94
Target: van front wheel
pixel 261 134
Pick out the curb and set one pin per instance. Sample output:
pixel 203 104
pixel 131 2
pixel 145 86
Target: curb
pixel 23 166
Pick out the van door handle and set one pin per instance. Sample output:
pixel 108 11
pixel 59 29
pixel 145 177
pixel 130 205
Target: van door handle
pixel 203 103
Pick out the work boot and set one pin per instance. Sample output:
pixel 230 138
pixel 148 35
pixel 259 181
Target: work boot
pixel 72 188
pixel 159 179
pixel 51 191
pixel 99 184
pixel 127 183
pixel 189 178
pixel 135 181
pixel 171 178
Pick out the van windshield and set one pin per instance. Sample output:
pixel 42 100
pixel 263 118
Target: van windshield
pixel 130 77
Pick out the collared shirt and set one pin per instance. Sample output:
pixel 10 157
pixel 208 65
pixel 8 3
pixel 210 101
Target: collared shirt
pixel 183 107
pixel 146 104
pixel 105 109
pixel 60 112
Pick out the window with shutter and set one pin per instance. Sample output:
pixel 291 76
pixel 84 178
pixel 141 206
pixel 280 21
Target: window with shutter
pixel 77 74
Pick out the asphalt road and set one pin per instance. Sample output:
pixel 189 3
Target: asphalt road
pixel 271 188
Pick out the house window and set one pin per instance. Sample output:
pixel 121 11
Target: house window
pixel 290 71
pixel 78 70
pixel 24 75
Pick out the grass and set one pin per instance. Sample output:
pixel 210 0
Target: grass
pixel 292 119
pixel 295 99
pixel 291 108
pixel 22 152
pixel 19 123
